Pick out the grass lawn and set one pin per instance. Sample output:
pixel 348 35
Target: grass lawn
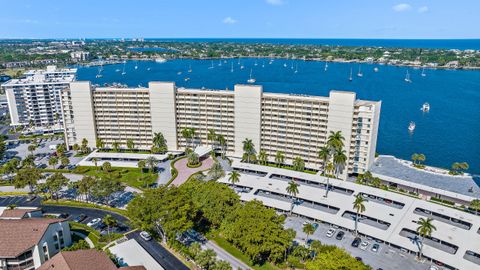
pixel 13 193
pixel 85 230
pixel 130 176
pixel 239 254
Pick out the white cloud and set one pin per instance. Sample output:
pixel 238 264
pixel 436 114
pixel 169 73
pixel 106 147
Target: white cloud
pixel 423 9
pixel 30 21
pixel 402 7
pixel 229 20
pixel 275 2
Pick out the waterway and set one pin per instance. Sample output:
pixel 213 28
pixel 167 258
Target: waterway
pixel 449 133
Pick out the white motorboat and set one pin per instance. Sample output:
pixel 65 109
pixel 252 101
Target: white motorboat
pixel 251 80
pixel 423 73
pixel 375 69
pixel 160 60
pixel 425 107
pixel 411 126
pixel 360 73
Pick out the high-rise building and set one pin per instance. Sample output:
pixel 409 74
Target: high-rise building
pixel 35 99
pixel 296 125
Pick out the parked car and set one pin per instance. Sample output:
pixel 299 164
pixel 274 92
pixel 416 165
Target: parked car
pixel 433 267
pixel 356 242
pixel 31 198
pixel 80 218
pixel 375 248
pixel 145 235
pixel 63 215
pixel 358 259
pixel 330 232
pixel 340 235
pixel 364 245
pixel 93 222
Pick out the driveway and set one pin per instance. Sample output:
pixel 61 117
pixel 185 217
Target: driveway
pixel 185 172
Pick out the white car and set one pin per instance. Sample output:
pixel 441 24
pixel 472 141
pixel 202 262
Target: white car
pixel 330 232
pixel 433 267
pixel 145 235
pixel 93 222
pixel 364 245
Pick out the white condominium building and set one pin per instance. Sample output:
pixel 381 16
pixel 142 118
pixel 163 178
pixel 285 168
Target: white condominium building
pixel 35 99
pixel 297 125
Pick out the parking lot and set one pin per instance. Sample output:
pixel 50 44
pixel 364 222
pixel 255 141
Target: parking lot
pixel 387 257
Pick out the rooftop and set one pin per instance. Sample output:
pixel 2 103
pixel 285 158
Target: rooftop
pixel 392 167
pixel 18 235
pixel 88 259
pixel 16 213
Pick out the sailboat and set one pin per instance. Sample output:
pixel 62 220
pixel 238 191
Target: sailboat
pixel 360 74
pixel 411 126
pixel 179 73
pixel 256 64
pixel 231 70
pixel 296 68
pixel 210 67
pixel 136 65
pixel 291 67
pixel 423 73
pixel 238 61
pixel 99 75
pixel 326 66
pixel 263 64
pixel 375 69
pixel 190 68
pixel 220 63
pixel 407 77
pixel 251 80
pixel 351 73
pixel 148 69
pixel 123 71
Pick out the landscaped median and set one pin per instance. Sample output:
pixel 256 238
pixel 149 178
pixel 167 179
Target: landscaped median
pixel 99 241
pixel 133 177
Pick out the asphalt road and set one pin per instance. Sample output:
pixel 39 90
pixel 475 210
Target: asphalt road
pixel 157 251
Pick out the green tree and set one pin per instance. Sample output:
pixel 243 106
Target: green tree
pixel 308 229
pixel 216 171
pixel 130 144
pixel 292 190
pixel 85 186
pixel 27 177
pixel 222 265
pixel 32 148
pixel 339 160
pixel 81 244
pixel 279 158
pixel 84 147
pixel 424 229
pixel 141 164
pixel 159 142
pixel 53 161
pixel 95 162
pixel 266 240
pixel 3 148
pixel 421 158
pixel 262 157
pixel 475 204
pixel 76 147
pixel 61 149
pixel 223 144
pixel 106 167
pixel 99 143
pixel 248 150
pixel 116 146
pixel 335 140
pixel 64 161
pixel 324 155
pixel 105 186
pixel 206 259
pixel 151 163
pixel 415 158
pixel 212 137
pixel 298 164
pixel 329 169
pixel 55 183
pixel 28 162
pixel 359 207
pixel 193 158
pixel 111 222
pixel 234 177
pixel 335 259
pixel 188 134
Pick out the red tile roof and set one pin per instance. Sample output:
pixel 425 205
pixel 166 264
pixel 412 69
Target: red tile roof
pixel 87 259
pixel 19 235
pixel 17 213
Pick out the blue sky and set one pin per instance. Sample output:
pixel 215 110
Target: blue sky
pixel 240 18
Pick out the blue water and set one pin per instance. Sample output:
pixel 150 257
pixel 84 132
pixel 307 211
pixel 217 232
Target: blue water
pixel 461 44
pixel 450 132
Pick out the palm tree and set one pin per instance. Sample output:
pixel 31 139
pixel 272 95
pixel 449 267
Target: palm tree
pixel 308 229
pixel 212 137
pixel 130 144
pixel 339 160
pixel 186 134
pixel 279 158
pixel 110 222
pixel 414 158
pixel 116 146
pixel 298 164
pixel 95 161
pixel 359 206
pixel 223 144
pixel 335 140
pixel 292 190
pixel 425 228
pixel 99 144
pixel 234 177
pixel 216 171
pixel 193 158
pixel 151 163
pixel 141 165
pixel 53 162
pixel 159 142
pixel 328 170
pixel 421 158
pixel 262 156
pixel 32 148
pixel 324 155
pixel 475 204
pixel 248 149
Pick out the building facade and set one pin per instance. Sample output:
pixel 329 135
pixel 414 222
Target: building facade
pixel 296 125
pixel 35 99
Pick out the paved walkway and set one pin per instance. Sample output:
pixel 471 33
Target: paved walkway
pixel 84 237
pixel 225 256
pixel 184 172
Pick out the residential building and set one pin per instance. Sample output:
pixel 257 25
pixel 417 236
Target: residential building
pixel 80 56
pixel 297 125
pixel 34 100
pixel 89 259
pixel 26 243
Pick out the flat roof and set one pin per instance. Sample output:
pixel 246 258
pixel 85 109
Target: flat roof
pixel 398 218
pixel 131 253
pixel 396 170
